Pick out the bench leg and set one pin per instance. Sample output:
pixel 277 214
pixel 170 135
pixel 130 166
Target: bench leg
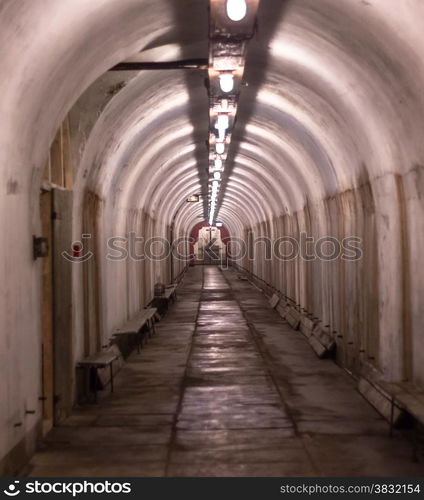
pixel 87 375
pixel 111 377
pixel 392 416
pixel 149 327
pixel 95 386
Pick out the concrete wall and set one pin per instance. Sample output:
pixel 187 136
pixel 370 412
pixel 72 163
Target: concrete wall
pixel 373 304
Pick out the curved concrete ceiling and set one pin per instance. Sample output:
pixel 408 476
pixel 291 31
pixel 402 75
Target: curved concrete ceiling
pixel 333 92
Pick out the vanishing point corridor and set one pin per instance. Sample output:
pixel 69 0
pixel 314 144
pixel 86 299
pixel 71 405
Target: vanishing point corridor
pixel 226 388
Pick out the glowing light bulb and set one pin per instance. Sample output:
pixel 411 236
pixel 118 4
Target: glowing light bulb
pixel 220 148
pixel 217 176
pixel 218 163
pixel 222 124
pixel 226 82
pixel 236 9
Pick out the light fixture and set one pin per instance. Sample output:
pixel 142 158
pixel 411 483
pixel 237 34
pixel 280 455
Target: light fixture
pixel 217 176
pixel 226 82
pixel 218 163
pixel 222 124
pixel 220 148
pixel 40 247
pixel 195 198
pixel 236 9
pixel 219 224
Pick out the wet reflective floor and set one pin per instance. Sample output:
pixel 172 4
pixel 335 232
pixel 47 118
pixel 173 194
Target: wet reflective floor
pixel 226 388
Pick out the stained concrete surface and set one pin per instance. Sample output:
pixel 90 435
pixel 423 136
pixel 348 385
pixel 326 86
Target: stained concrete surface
pixel 226 388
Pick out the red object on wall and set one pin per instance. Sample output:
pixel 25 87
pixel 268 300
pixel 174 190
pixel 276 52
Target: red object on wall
pixel 76 250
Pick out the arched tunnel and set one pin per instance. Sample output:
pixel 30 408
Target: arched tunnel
pixel 212 224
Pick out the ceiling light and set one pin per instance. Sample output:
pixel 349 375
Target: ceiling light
pixel 222 124
pixel 236 9
pixel 226 82
pixel 193 198
pixel 217 176
pixel 220 148
pixel 218 163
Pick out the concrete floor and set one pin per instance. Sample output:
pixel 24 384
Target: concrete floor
pixel 226 388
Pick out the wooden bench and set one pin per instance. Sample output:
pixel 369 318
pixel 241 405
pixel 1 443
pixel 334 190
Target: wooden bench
pixel 410 399
pixel 161 302
pixel 135 325
pixel 293 317
pixel 274 301
pixel 406 396
pixel 170 293
pixel 95 362
pixel 394 399
pixel 322 341
pixel 380 399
